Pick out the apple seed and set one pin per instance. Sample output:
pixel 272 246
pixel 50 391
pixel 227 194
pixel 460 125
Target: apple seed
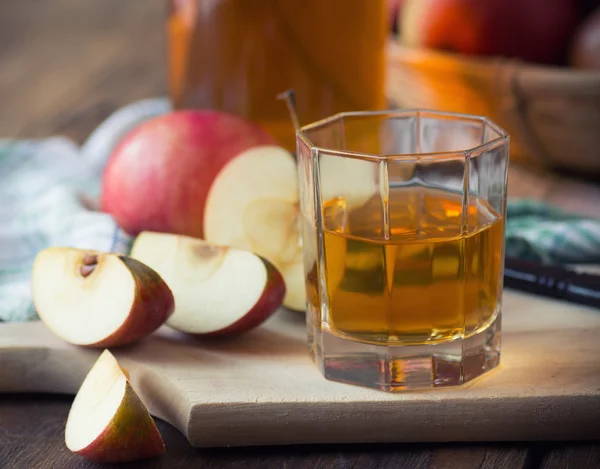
pixel 90 261
pixel 207 251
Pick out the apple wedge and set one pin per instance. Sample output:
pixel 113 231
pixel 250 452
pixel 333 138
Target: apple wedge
pixel 219 291
pixel 253 204
pixel 97 299
pixel 108 422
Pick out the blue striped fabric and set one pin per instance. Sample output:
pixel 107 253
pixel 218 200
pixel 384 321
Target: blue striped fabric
pixel 44 186
pixel 539 232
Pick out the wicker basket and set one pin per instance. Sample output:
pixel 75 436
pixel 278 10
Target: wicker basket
pixel 551 114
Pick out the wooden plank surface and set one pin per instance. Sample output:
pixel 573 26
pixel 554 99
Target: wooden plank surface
pixel 572 457
pixel 480 457
pixel 262 389
pixel 38 443
pixel 67 64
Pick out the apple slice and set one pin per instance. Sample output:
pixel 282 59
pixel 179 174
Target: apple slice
pixel 253 204
pixel 218 290
pixel 108 422
pixel 97 299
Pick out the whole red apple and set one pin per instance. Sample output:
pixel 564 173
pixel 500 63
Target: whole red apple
pixel 532 30
pixel 158 177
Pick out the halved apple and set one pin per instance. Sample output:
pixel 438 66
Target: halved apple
pixel 218 290
pixel 98 299
pixel 108 422
pixel 253 204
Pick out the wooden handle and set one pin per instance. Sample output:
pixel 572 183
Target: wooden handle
pixel 43 370
pixel 32 360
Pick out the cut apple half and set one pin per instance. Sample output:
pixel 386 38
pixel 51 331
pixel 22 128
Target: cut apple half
pixel 253 204
pixel 218 290
pixel 97 299
pixel 108 422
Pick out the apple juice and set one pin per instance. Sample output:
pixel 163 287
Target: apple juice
pixel 433 277
pixel 238 55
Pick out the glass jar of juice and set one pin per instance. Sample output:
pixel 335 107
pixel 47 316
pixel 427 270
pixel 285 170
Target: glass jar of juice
pixel 238 55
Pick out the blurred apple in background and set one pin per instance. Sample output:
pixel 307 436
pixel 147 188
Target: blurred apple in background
pixel 532 30
pixel 585 50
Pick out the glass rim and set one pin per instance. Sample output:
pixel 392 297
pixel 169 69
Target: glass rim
pixel 503 136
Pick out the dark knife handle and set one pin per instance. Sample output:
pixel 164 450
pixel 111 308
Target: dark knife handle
pixel 552 281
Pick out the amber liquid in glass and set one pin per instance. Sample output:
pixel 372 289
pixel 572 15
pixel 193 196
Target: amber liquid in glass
pixel 238 55
pixel 433 278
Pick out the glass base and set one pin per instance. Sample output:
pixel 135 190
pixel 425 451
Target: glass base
pixel 400 368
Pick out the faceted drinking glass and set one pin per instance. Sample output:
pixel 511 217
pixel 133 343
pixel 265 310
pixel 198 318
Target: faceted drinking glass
pixel 403 244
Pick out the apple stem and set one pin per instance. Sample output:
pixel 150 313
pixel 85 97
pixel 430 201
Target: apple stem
pixel 90 261
pixel 290 100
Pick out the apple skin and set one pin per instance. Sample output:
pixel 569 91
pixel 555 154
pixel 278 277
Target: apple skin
pixel 532 30
pixel 158 177
pixel 130 435
pixel 156 304
pixel 267 304
pixel 241 288
pixel 153 300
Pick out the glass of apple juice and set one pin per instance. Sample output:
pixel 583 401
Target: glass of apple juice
pixel 403 245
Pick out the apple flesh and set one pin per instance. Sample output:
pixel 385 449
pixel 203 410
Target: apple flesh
pixel 108 422
pixel 158 176
pixel 97 299
pixel 219 291
pixel 253 204
pixel 532 30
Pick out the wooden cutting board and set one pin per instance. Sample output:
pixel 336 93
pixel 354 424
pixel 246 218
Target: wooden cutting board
pixel 262 389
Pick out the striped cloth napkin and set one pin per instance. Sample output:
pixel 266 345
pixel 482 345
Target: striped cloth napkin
pixel 49 189
pixel 48 194
pixel 539 232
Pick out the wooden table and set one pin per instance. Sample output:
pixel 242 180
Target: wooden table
pixel 65 66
